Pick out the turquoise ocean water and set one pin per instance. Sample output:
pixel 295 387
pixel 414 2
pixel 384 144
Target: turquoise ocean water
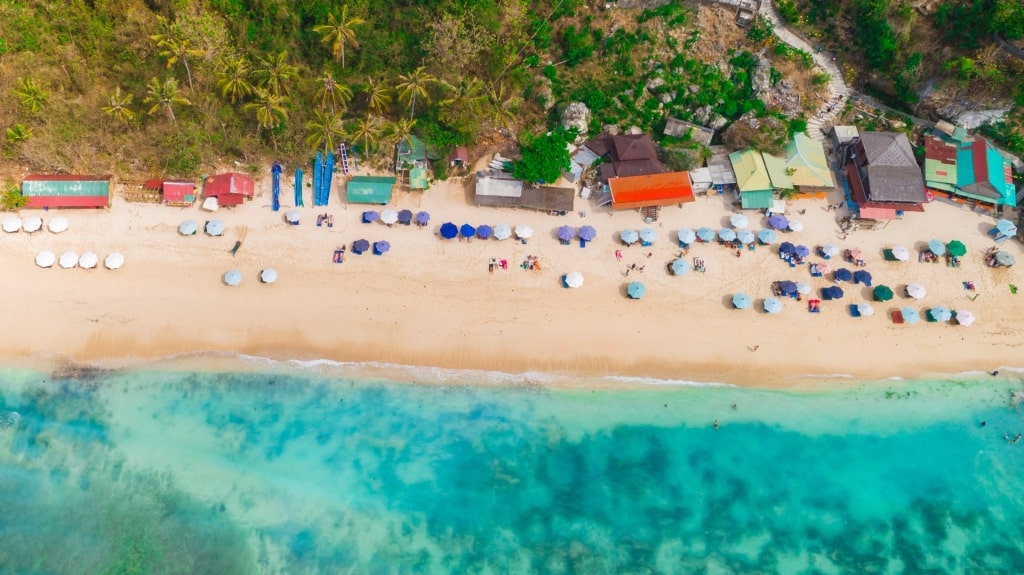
pixel 304 472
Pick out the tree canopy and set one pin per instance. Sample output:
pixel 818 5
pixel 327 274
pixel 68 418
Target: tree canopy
pixel 544 157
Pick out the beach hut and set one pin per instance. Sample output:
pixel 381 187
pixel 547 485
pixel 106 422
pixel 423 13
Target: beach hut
pixel 214 227
pixel 686 236
pixel 502 232
pixel 268 276
pixel 524 232
pixel 11 223
pixel 45 259
pixel 369 189
pixel 381 247
pixel 680 267
pixel 232 277
pixel 705 234
pixel 188 228
pixel 88 261
pixel 862 277
pixel 68 260
pixel 956 248
pixel 882 293
pixel 741 301
pixel 726 235
pixel 939 313
pixel 484 232
pixel 831 292
pixel 586 234
pixel 467 231
pixel 389 217
pixel 772 305
pixel 629 237
pixel 45 191
pixel 739 221
pixel 572 280
pixel 58 225
pixel 360 246
pixel 565 234
pixel 647 237
pixel 230 189
pixel 636 290
pixel 449 230
pixel 113 261
pixel 916 291
pixel 964 317
pixel 766 236
pixel 910 315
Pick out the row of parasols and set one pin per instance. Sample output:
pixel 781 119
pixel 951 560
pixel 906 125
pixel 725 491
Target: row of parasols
pixel 88 260
pixel 390 217
pixel 451 231
pixel 775 222
pixel 359 247
pixel 234 277
pixel 212 227
pixel 773 305
pixel 12 224
pixel 687 236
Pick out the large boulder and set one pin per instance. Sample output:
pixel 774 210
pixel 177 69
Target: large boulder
pixel 576 116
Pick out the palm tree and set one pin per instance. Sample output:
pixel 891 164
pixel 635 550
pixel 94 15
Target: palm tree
pixel 413 85
pixel 400 132
pixel 274 74
pixel 367 131
pixel 378 95
pixel 31 95
pixel 503 106
pixel 331 93
pixel 118 107
pixel 165 95
pixel 465 100
pixel 324 129
pixel 270 111
pixel 233 79
pixel 176 49
pixel 339 31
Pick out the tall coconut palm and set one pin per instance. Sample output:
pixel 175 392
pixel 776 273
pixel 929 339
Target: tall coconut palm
pixel 31 95
pixel 400 132
pixel 464 100
pixel 324 129
pixel 413 85
pixel 503 106
pixel 119 107
pixel 269 110
pixel 367 132
pixel 378 95
pixel 338 32
pixel 176 49
pixel 274 74
pixel 233 79
pixel 165 95
pixel 332 94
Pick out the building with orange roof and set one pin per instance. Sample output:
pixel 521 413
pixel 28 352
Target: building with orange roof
pixel 651 190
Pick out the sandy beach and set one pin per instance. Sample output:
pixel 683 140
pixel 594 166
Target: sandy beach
pixel 432 302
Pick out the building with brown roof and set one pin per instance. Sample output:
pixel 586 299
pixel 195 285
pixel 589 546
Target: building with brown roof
pixel 626 155
pixel 883 175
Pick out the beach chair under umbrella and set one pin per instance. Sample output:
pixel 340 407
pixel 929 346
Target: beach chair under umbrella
pixel 449 230
pixel 381 247
pixel 741 301
pixel 636 290
pixel 910 315
pixel 956 248
pixel 772 305
pixel 788 288
pixel 739 221
pixel 1006 227
pixel 58 225
pixel 857 255
pixel 680 267
pixel 964 317
pixel 778 222
pixel 405 217
pixel 360 247
pixel 865 309
pixel 787 248
pixel 940 313
pixel 572 280
pixel 293 217
pixel 370 216
pixel 882 293
pixel 842 275
pixel 900 253
pixel 862 277
pixel 188 228
pixel 648 236
pixel 727 235
pixel 484 232
pixel 422 218
pixel 795 226
pixel 11 223
pixel 467 231
pixel 629 237
pixel 502 232
pixel 113 261
pixel 524 232
pixel 565 234
pixel 802 288
pixel 215 227
pixel 705 234
pixel 829 251
pixel 233 277
pixel 745 237
pixel 268 276
pixel 389 217
pixel 802 251
pixel 45 259
pixel 766 236
pixel 831 292
pixel 1004 259
pixel 68 260
pixel 587 233
pixel 88 261
pixel 936 247
pixel 32 224
pixel 916 291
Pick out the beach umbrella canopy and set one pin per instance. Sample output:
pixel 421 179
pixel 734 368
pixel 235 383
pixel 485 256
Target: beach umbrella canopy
pixel 830 250
pixel 449 230
pixel 766 236
pixel 58 224
pixel 68 260
pixel 502 232
pixel 587 233
pixel 11 223
pixel 32 224
pixel 524 232
pixel 381 247
pixel 741 301
pixel 940 313
pixel 824 268
pixel 636 290
pixel 360 246
pixel 900 253
pixel 857 254
pixel 629 237
pixel 772 305
pixel 832 292
pixel 680 267
pixel 862 277
pixel 802 288
pixel 842 275
pixel 113 261
pixel 233 277
pixel 1006 227
pixel 956 248
pixel 405 217
pixel 795 226
pixel 566 233
pixel 787 248
pixel 389 217
pixel 739 221
pixel 882 293
pixel 726 235
pixel 802 251
pixel 910 315
pixel 483 232
pixel 788 288
pixel 865 309
pixel 188 227
pixel 574 279
pixel 268 276
pixel 46 259
pixel 964 317
pixel 422 218
pixel 745 237
pixel 215 227
pixel 648 236
pixel 778 222
pixel 467 231
pixel 292 216
pixel 916 291
pixel 88 260
pixel 936 247
pixel 370 216
pixel 1004 259
pixel 705 234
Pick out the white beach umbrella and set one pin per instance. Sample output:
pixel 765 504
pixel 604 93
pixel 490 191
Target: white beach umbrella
pixel 830 250
pixel 46 259
pixel 68 260
pixel 795 226
pixel 389 217
pixel 739 221
pixel 574 279
pixel 88 260
pixel 293 216
pixel 900 253
pixel 233 277
pixel 502 232
pixel 865 309
pixel 32 225
pixel 58 224
pixel 964 317
pixel 268 276
pixel 11 223
pixel 802 288
pixel 188 227
pixel 113 261
pixel 215 227
pixel 524 232
pixel 916 291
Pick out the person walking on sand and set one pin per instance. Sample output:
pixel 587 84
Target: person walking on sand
pixel 618 255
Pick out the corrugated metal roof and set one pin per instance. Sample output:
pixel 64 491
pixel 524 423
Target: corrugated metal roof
pixel 229 183
pixel 671 186
pixel 757 199
pixel 369 189
pixel 805 158
pixel 67 202
pixel 751 173
pixel 501 187
pixel 777 172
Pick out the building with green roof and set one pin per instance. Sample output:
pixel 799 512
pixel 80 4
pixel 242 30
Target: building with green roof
pixel 806 165
pixel 752 179
pixel 971 169
pixel 369 189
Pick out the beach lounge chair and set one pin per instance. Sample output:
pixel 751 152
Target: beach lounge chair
pixel 897 317
pixel 815 272
pixel 583 243
pixel 854 311
pixel 814 305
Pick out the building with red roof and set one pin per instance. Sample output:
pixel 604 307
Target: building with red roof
pixel 665 189
pixel 66 191
pixel 174 192
pixel 230 189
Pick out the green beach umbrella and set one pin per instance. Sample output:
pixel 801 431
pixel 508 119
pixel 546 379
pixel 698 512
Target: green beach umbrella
pixel 883 293
pixel 956 248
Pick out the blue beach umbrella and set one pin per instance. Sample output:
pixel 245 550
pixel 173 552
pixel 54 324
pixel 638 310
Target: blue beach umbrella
pixel 405 217
pixel 842 275
pixel 360 246
pixel 787 248
pixel 788 288
pixel 936 247
pixel 778 222
pixel 449 230
pixel 910 315
pixel 629 237
pixel 566 233
pixel 680 267
pixel 772 305
pixel 215 227
pixel 940 313
pixel 802 251
pixel 862 277
pixel 636 290
pixel 706 234
pixel 648 236
pixel 369 216
pixel 422 218
pixel 467 231
pixel 587 233
pixel 188 228
pixel 726 235
pixel 766 236
pixel 1006 227
pixel 833 292
pixel 745 237
pixel 686 236
pixel 739 221
pixel 741 301
pixel 233 278
pixel 483 232
pixel 381 247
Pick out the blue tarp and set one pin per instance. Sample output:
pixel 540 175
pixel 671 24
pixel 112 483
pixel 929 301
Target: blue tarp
pixel 449 230
pixel 298 187
pixel 276 191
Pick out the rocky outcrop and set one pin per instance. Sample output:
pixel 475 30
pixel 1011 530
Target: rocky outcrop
pixel 576 116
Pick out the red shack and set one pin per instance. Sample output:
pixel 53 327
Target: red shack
pixel 651 190
pixel 174 192
pixel 66 191
pixel 230 189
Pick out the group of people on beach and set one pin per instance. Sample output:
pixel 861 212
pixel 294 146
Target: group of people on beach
pixel 322 219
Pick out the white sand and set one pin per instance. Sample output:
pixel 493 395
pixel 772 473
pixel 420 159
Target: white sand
pixel 432 302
